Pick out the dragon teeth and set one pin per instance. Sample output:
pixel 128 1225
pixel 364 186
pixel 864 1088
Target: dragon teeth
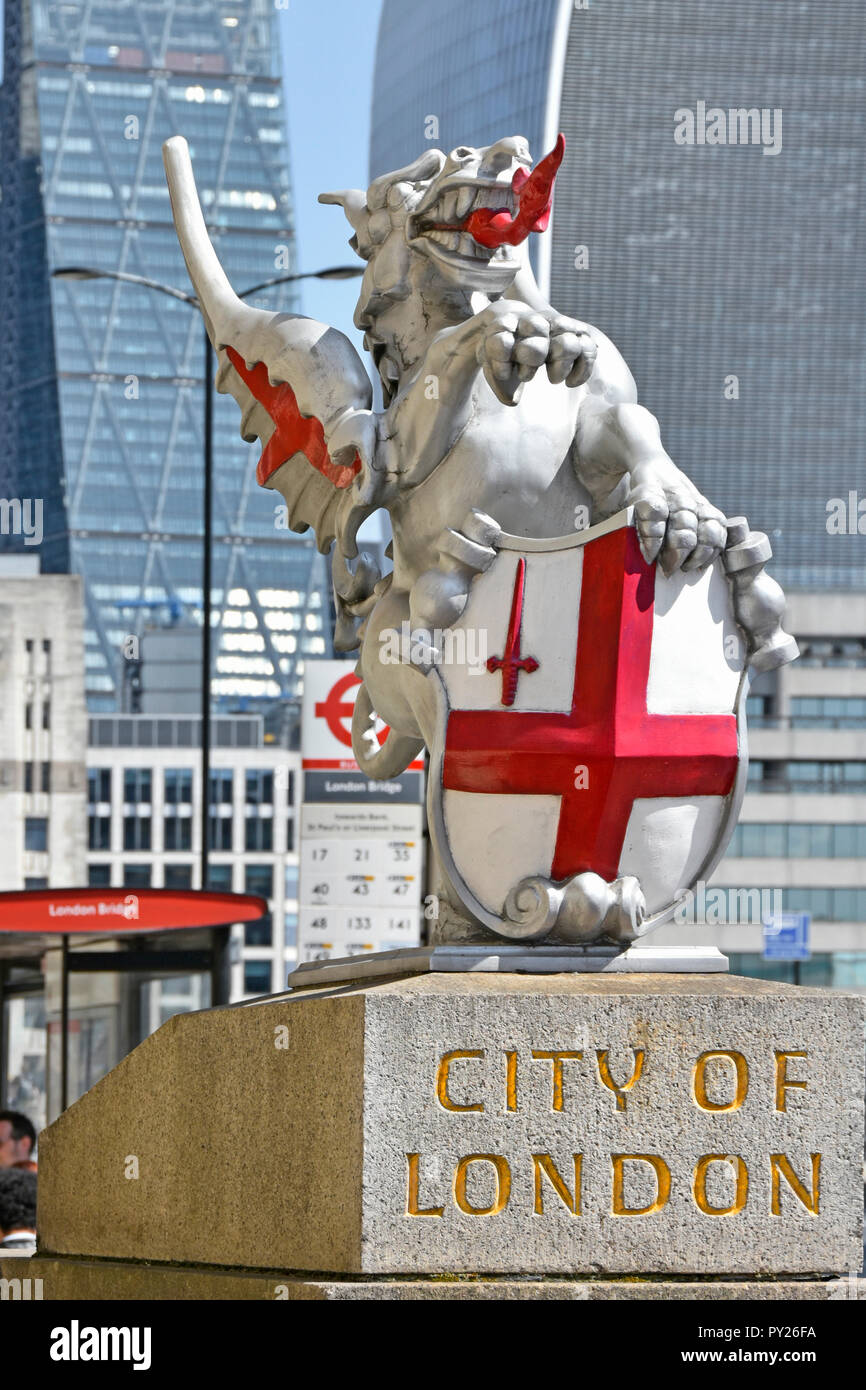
pixel 449 206
pixel 465 200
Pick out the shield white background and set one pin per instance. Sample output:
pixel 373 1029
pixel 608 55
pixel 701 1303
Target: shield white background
pixel 488 842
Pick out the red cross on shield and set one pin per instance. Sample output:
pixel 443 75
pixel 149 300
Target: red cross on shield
pixel 615 745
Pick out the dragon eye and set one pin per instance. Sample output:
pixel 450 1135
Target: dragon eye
pixel 463 152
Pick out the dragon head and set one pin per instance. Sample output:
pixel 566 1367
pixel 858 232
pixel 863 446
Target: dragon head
pixel 466 213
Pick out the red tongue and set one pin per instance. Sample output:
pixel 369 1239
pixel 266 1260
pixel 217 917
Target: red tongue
pixel 533 191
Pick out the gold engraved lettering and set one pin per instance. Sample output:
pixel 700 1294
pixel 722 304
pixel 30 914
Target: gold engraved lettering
pixel 699 1084
pixel 780 1166
pixel 511 1081
pixel 782 1082
pixel 442 1081
pixel 543 1163
pixel 699 1186
pixel 412 1207
pixel 663 1184
pixel 503 1184
pixel 607 1079
pixel 557 1059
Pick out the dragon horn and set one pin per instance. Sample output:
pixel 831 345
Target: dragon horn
pixel 221 308
pixel 353 201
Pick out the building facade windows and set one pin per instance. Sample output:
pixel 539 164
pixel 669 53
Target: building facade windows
pixel 259 787
pixel 291 929
pixel 260 932
pixel 137 785
pixel 259 798
pixel 259 834
pixel 98 832
pixel 824 904
pixel 136 832
pixel 98 808
pixel 781 840
pixel 177 819
pixel 36 834
pixel 98 785
pixel 259 879
pixel 177 876
pixel 257 977
pixel 220 812
pixel 137 875
pixel 219 877
pixel 177 832
pixel 843 712
pixel 825 970
pixel 798 775
pixel 178 786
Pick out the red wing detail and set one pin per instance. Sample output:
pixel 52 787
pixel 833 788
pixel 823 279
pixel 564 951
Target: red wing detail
pixel 294 433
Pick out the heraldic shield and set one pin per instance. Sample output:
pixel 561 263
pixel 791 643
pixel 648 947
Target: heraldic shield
pixel 589 723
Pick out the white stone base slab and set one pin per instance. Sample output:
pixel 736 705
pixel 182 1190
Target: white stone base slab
pixel 71 1278
pixel 519 960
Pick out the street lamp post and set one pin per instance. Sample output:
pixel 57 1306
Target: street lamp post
pixel 337 272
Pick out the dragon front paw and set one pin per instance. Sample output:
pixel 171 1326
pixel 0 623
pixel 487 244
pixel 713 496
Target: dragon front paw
pixel 516 340
pixel 676 524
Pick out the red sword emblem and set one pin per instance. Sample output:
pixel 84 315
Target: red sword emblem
pixel 512 663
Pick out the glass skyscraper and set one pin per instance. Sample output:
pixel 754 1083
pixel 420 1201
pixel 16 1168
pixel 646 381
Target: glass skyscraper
pixel 704 263
pixel 102 382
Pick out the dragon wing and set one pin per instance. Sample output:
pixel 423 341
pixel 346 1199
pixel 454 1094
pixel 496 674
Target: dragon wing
pixel 294 379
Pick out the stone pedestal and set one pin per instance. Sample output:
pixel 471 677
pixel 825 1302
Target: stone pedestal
pixel 586 1128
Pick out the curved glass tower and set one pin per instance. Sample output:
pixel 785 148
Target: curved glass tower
pixel 727 274
pixel 104 404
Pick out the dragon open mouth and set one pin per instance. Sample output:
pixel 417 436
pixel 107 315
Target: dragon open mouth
pixel 481 221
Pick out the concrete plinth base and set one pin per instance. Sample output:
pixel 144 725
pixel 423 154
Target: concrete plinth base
pixel 478 1124
pixel 55 1280
pixel 518 959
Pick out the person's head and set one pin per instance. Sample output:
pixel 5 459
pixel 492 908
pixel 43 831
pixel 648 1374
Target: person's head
pixel 17 1200
pixel 17 1138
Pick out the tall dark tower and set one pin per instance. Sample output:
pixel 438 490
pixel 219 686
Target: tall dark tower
pixel 31 449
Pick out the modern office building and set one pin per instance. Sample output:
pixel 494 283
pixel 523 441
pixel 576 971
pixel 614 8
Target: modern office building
pixel 43 730
pixel 728 270
pixel 102 403
pixel 727 274
pixel 144 823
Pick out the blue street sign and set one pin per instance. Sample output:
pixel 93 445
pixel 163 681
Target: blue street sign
pixel 786 936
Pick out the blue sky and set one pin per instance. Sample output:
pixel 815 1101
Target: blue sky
pixel 328 53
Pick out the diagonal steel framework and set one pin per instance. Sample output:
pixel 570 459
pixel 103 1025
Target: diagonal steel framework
pixel 124 482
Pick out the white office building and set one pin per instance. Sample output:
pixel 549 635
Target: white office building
pixel 144 823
